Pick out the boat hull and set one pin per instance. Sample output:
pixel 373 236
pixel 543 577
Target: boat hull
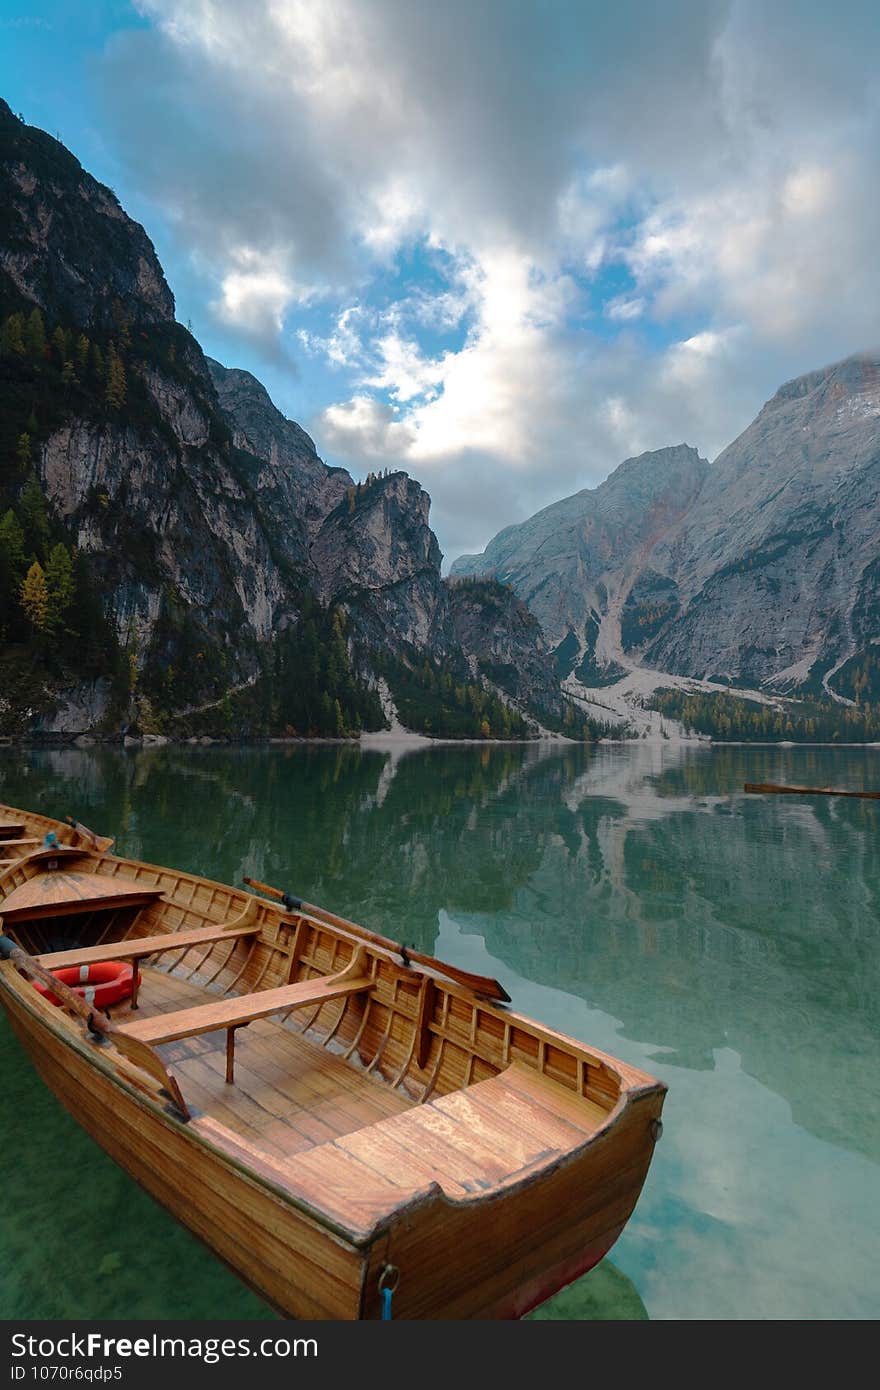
pixel 399 1118
pixel 493 1257
pixel 501 1257
pixel 296 1264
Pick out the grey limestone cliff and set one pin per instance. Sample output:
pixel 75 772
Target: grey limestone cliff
pixel 776 563
pixel 66 241
pixel 377 554
pixel 368 546
pixel 504 641
pixel 566 560
pixel 203 521
pixel 761 568
pixel 296 489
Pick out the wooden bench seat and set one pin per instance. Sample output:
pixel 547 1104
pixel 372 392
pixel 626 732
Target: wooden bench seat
pixel 138 948
pixel 242 1009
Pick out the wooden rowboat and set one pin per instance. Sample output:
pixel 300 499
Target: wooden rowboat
pixel 332 1117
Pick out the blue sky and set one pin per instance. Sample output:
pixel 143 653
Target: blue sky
pixel 503 245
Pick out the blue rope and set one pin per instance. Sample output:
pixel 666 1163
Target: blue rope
pixel 386 1305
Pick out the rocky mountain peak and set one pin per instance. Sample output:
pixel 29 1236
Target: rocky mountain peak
pixel 258 419
pixel 856 375
pixel 297 490
pixel 378 535
pixel 66 243
pixel 376 553
pixel 218 574
pixel 560 560
pixel 654 468
pixel 674 474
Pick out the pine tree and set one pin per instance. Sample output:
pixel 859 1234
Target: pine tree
pixel 60 583
pixel 23 451
pixel 11 567
pixel 122 323
pixel 116 387
pixel 59 343
pixel 32 510
pixel 35 334
pixel 97 362
pixel 34 597
pixel 12 541
pixel 82 354
pixel 68 374
pixel 12 336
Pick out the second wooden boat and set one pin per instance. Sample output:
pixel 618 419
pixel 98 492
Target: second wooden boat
pixel 334 1119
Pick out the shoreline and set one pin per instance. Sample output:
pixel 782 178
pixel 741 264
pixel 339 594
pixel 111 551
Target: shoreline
pixel 378 741
pixel 396 741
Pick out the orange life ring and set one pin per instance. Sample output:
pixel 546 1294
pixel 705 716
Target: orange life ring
pixel 102 984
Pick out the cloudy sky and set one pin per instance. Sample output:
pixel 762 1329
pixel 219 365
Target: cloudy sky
pixel 502 244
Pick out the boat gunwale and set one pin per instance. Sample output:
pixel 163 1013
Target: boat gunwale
pixel 227 1140
pixel 630 1078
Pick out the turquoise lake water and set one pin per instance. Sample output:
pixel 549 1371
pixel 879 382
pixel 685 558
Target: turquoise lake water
pixel 632 896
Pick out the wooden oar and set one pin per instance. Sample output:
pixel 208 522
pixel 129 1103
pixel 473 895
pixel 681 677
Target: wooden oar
pixel 97 1021
pixel 480 984
pixel 779 789
pixel 99 842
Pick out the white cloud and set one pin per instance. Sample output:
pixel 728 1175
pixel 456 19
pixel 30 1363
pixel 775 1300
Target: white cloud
pixel 475 399
pixel 623 308
pixel 692 362
pixel 403 371
pixel 725 164
pixel 519 404
pixel 344 346
pixel 366 429
pixel 255 293
pixel 395 216
pixel 789 252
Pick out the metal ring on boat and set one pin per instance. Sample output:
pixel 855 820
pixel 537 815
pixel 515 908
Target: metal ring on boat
pixel 102 984
pixel 656 1128
pixel 389 1278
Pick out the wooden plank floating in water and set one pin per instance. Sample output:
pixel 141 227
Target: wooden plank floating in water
pixel 779 789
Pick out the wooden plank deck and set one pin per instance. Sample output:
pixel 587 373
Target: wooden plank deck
pixel 292 1097
pixel 289 1094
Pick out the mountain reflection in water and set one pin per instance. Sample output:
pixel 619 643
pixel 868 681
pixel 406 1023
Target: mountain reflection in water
pixel 632 895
